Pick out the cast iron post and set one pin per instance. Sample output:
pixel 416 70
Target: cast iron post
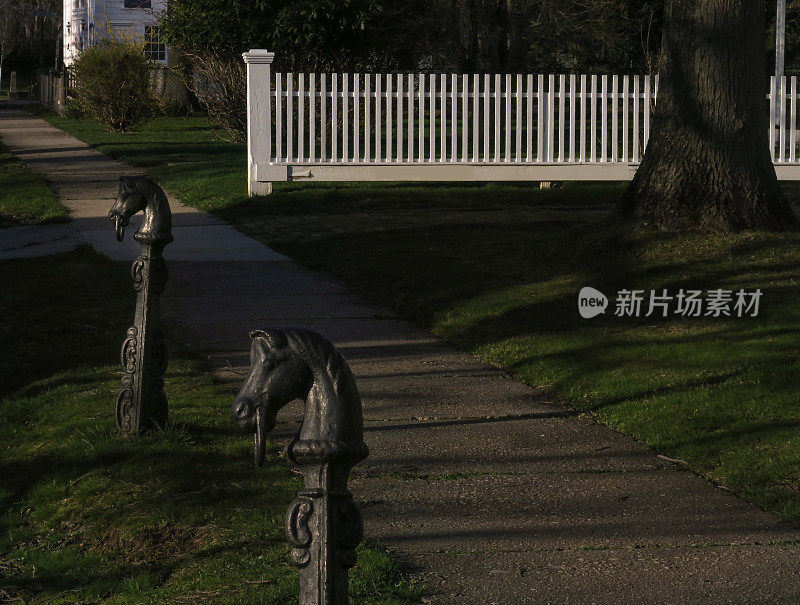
pixel 142 403
pixel 324 527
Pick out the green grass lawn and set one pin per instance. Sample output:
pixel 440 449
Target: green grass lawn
pixel 179 516
pixel 496 270
pixel 25 198
pixel 194 161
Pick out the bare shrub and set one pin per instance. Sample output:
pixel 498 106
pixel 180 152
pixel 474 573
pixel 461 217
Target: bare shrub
pixel 220 85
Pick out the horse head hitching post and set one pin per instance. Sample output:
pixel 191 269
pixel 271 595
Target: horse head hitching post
pixel 142 403
pixel 323 524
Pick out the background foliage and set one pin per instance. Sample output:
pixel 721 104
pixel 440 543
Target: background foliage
pixel 465 35
pixel 29 31
pixel 113 83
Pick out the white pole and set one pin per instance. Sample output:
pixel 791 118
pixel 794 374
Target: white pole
pixel 259 124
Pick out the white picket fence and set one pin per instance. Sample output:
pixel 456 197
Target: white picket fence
pixel 461 127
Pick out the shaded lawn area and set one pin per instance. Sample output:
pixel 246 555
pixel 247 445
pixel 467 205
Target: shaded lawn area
pixel 181 515
pixel 496 270
pixel 25 198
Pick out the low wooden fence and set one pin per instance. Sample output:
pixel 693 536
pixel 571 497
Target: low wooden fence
pixel 462 127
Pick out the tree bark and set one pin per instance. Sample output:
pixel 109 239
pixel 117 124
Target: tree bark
pixel 707 165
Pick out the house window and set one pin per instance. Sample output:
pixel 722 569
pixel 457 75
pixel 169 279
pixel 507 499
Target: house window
pixel 137 3
pixel 154 48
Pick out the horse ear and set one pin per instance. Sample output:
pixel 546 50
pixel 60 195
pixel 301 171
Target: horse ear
pixel 125 184
pixel 274 339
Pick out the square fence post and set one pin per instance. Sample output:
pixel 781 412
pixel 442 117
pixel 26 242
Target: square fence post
pixel 259 117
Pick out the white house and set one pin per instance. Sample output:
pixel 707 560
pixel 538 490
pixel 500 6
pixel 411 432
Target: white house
pixel 88 20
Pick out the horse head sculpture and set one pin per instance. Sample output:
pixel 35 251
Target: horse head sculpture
pixel 141 193
pixel 298 364
pixel 323 524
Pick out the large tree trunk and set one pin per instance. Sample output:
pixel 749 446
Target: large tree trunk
pixel 707 164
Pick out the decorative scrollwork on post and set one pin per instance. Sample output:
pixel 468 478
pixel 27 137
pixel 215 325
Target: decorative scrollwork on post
pixel 136 274
pixel 142 402
pixel 297 531
pixel 124 402
pixel 128 354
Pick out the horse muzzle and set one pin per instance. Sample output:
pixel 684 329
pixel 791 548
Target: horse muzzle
pixel 243 414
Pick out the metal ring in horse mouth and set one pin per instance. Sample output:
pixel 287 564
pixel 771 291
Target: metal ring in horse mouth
pixel 119 227
pixel 260 437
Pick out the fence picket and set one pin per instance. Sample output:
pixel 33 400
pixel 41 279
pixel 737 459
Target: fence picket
pixel 486 118
pixel 323 118
pixel 301 117
pixel 399 137
pixel 541 114
pixel 507 101
pixel 279 117
pixel 367 117
pixel 289 116
pixel 443 119
pixel 497 92
pixel 518 120
pixel 267 112
pixel 476 115
pixel 793 121
pixel 453 117
pixel 646 137
pixel 614 118
pixel 410 118
pixel 529 120
pixel 356 117
pixel 432 119
pixel 603 116
pixel 345 117
pixel 582 157
pixel 655 91
pixel 378 115
pixel 464 118
pixel 782 122
pixel 551 113
pixel 389 121
pixel 625 117
pixel 334 117
pixel 572 117
pixel 593 117
pixel 562 114
pixel 312 118
pixel 635 150
pixel 421 79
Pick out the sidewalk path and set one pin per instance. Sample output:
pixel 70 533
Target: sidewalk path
pixel 486 490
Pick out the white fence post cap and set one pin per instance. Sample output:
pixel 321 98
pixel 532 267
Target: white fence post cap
pixel 258 55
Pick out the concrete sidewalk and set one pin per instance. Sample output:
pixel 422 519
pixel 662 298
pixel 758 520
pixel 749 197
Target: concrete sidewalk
pixel 487 491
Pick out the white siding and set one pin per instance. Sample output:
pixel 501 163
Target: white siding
pixel 88 20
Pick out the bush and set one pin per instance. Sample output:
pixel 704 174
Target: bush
pixel 112 83
pixel 73 110
pixel 220 85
